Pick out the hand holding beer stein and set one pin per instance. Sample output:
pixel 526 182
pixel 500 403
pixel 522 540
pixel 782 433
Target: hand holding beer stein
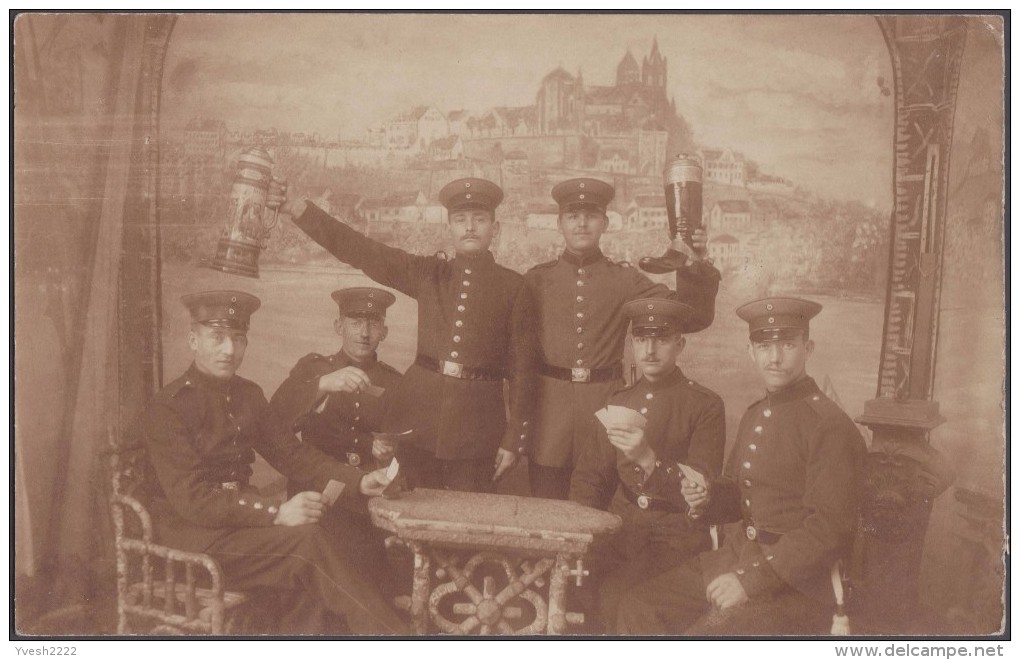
pixel 278 199
pixel 682 184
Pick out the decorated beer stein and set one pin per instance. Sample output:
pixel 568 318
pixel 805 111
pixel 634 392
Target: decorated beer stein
pixel 245 232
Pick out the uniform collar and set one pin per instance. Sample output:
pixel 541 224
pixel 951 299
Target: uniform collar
pixel 207 382
pixel 343 359
pixel 802 389
pixel 665 383
pixel 474 260
pixel 582 260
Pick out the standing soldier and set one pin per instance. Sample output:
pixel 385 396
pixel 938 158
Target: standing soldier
pixel 582 329
pixel 789 488
pixel 634 472
pixel 335 403
pixel 475 331
pixel 201 433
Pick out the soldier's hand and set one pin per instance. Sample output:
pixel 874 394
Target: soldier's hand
pixel 505 459
pixel 700 240
pixel 302 509
pixel 382 450
pixel 349 379
pixel 374 483
pixel 726 591
pixel 277 198
pixel 695 495
pixel 630 440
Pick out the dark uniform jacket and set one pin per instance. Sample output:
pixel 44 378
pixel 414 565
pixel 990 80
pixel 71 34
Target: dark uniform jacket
pixel 339 424
pixel 581 325
pixel 794 475
pixel 686 424
pixel 201 435
pixel 471 311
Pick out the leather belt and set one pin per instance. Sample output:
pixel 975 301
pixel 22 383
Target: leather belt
pixel 457 370
pixel 581 374
pixel 760 535
pixel 649 503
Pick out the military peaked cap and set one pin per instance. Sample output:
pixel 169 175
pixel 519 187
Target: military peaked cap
pixel 583 194
pixel 467 194
pixel 657 317
pixel 227 309
pixel 778 318
pixel 363 301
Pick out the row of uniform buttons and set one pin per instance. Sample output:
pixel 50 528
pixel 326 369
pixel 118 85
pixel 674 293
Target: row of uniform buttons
pixel 237 427
pixel 759 429
pixel 458 322
pixel 580 314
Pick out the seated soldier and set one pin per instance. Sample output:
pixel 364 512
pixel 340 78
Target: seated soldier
pixel 335 403
pixel 634 472
pixel 790 484
pixel 330 400
pixel 201 433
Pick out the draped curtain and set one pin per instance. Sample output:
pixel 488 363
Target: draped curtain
pixel 86 286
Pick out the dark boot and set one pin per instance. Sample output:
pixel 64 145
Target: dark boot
pixel 671 261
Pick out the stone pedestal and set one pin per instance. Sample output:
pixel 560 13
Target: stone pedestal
pixel 903 476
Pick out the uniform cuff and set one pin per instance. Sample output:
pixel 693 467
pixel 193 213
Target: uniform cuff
pixel 758 578
pixel 517 438
pixel 260 511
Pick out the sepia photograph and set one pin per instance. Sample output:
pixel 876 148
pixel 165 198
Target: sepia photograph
pixel 509 325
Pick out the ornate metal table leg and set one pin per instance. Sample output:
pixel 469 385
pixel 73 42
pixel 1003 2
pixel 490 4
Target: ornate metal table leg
pixel 420 589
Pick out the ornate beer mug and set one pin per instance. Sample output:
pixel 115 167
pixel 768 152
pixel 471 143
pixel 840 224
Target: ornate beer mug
pixel 245 233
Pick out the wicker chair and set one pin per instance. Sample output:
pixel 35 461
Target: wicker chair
pixel 162 590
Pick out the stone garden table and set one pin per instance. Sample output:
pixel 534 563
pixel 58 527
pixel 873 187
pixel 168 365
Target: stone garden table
pixel 492 564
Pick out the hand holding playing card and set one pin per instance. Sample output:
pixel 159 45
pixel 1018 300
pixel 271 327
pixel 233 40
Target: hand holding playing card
pixel 630 440
pixel 397 481
pixel 374 483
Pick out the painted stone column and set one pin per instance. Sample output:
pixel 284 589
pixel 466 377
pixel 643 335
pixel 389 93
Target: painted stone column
pixel 905 474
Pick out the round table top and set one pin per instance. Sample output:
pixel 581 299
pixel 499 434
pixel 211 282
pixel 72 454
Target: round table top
pixel 487 519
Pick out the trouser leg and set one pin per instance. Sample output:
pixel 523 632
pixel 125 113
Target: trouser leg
pixel 365 545
pixel 306 558
pixel 667 604
pixel 549 482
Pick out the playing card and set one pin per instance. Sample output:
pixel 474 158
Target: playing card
pixel 603 416
pixel 692 474
pixel 375 390
pixel 628 416
pixel 392 438
pixel 331 493
pixel 392 470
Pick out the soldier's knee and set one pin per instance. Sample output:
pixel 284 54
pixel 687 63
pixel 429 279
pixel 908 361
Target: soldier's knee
pixel 311 540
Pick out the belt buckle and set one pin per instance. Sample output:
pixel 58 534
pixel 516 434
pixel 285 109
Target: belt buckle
pixel 752 532
pixel 453 369
pixel 580 375
pixel 643 501
pixel 231 485
pixel 353 459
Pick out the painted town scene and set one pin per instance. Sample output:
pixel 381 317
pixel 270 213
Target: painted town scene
pixel 825 176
